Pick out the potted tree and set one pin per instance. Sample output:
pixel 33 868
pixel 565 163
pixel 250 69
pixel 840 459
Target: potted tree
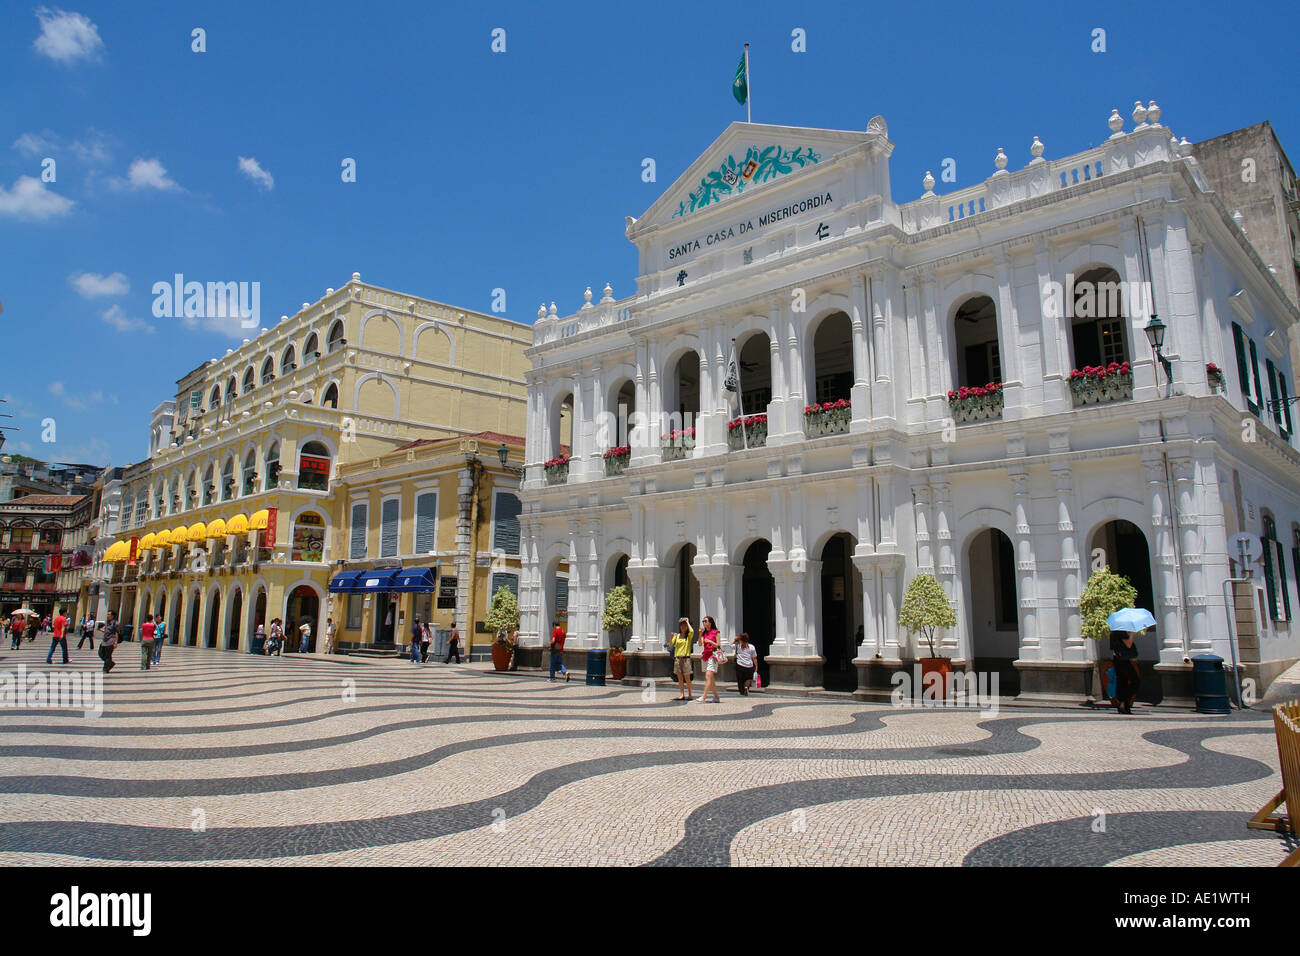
pixel 617 618
pixel 1105 593
pixel 503 618
pixel 925 609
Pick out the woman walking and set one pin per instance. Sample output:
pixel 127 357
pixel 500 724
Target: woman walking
pixel 147 630
pixel 108 641
pixel 159 639
pixel 453 645
pixel 681 644
pixel 1124 654
pixel 746 661
pixel 711 657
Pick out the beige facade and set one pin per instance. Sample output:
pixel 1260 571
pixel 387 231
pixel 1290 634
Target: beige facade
pixel 265 430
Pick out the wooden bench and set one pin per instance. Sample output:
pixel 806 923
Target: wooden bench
pixel 1286 727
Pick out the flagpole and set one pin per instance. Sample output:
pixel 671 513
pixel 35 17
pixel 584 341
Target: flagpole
pixel 749 88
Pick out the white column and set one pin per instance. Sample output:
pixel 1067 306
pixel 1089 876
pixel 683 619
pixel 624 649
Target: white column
pixel 947 567
pixel 1073 643
pixel 776 408
pixel 1026 590
pixel 1013 377
pixel 1165 580
pixel 1192 553
pixel 861 394
pixel 1143 361
pixel 1054 329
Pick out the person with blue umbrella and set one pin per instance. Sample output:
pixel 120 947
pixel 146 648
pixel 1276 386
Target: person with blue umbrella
pixel 1123 623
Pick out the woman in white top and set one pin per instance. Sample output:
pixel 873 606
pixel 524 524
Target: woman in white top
pixel 746 661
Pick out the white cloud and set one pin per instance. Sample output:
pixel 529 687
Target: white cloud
pixel 93 149
pixel 81 403
pixel 67 37
pixel 251 168
pixel 56 388
pixel 116 317
pixel 91 285
pixel 29 198
pixel 146 174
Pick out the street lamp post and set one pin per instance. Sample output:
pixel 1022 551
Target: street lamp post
pixel 1155 331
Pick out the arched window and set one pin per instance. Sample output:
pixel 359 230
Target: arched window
pixel 311 350
pixel 331 397
pixel 232 390
pixel 158 503
pixel 209 485
pixel 979 360
pixel 250 473
pixel 1097 319
pixel 287 363
pixel 250 380
pixel 272 466
pixel 268 372
pixel 228 480
pixel 336 340
pixel 308 537
pixel 192 489
pixel 214 399
pixel 174 497
pixel 314 467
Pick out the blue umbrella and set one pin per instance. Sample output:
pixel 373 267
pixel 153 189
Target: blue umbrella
pixel 1131 619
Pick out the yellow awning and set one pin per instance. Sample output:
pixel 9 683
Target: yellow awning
pixel 179 534
pixel 117 551
pixel 147 542
pixel 237 525
pixel 197 532
pixel 217 528
pixel 161 540
pixel 259 520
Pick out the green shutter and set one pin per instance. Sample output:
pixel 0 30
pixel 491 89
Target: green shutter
pixel 505 531
pixel 1272 391
pixel 1281 581
pixel 1286 403
pixel 1243 367
pixel 426 522
pixel 357 547
pixel 1268 580
pixel 509 580
pixel 388 529
pixel 561 594
pixel 1259 384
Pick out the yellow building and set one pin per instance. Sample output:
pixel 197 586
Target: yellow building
pixel 234 521
pixel 426 532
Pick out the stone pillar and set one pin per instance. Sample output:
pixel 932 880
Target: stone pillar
pixel 1026 590
pixel 1139 313
pixel 1193 555
pixel 596 437
pixel 947 567
pixel 1073 643
pixel 1164 578
pixel 921 519
pixel 936 359
pixel 1054 328
pixel 882 390
pixel 861 394
pixel 776 408
pixel 642 434
pixel 792 420
pixel 793 661
pixel 1013 377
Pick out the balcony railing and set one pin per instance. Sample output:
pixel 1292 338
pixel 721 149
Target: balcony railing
pixel 981 403
pixel 557 471
pixel 747 432
pixel 677 445
pixel 827 418
pixel 1094 385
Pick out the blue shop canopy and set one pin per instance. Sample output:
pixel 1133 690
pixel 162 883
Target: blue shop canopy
pixel 410 580
pixel 346 582
pixel 377 581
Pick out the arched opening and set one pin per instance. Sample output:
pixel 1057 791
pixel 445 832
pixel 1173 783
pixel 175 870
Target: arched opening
pixel 192 631
pixel 233 616
pixel 561 438
pixel 213 619
pixel 209 484
pixel 994 608
pixel 975 334
pixel 259 614
pixel 232 389
pixel 618 578
pixel 1122 547
pixel 174 495
pixel 192 489
pixel 268 371
pixel 335 340
pixel 302 607
pixel 556 597
pixel 214 398
pixel 1097 320
pixel 250 473
pixel 174 623
pixel 287 361
pixel 622 406
pixel 272 470
pixel 314 467
pixel 841 623
pixel 685 599
pixel 681 391
pixel 228 480
pixel 832 366
pixel 758 602
pixel 331 396
pixel 754 356
pixel 250 380
pixel 308 537
pixel 311 350
pixel 160 611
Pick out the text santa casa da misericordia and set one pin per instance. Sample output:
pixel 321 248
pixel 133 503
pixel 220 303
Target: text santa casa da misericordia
pixel 740 228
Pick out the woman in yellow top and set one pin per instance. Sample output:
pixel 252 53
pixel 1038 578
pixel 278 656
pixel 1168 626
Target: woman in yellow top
pixel 681 644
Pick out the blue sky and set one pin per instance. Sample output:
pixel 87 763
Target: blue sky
pixel 479 170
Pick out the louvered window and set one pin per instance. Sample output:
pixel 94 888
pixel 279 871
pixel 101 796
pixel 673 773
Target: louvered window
pixel 426 523
pixel 357 546
pixel 388 529
pixel 505 533
pixel 509 580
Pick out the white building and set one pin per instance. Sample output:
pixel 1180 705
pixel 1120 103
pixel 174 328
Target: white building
pixel 789 243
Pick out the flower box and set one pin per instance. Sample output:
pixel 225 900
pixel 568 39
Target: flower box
pixel 827 418
pixel 1218 381
pixel 677 445
pixel 977 404
pixel 557 470
pixel 616 460
pixel 1095 384
pixel 750 430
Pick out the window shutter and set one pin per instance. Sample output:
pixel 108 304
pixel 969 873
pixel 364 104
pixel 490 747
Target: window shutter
pixel 1243 368
pixel 1272 392
pixel 1281 580
pixel 505 534
pixel 357 548
pixel 1286 403
pixel 426 522
pixel 561 594
pixel 1268 580
pixel 388 529
pixel 509 580
pixel 1259 384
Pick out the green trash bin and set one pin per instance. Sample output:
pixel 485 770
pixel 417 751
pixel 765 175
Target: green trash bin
pixel 596 667
pixel 1210 684
pixel 257 645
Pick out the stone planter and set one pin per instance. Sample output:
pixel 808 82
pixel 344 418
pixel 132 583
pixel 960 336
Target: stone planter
pixel 616 465
pixel 755 435
pixel 677 451
pixel 976 408
pixel 557 474
pixel 818 424
pixel 1096 390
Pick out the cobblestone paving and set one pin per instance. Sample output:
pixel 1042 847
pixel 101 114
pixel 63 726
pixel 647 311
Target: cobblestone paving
pixel 218 757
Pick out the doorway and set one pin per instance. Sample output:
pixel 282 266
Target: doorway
pixel 758 603
pixel 841 622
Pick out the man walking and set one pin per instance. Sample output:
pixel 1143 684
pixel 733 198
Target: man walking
pixel 108 642
pixel 330 633
pixel 557 652
pixel 304 644
pixel 453 645
pixel 159 639
pixel 59 625
pixel 417 634
pixel 87 632
pixel 147 630
pixel 16 632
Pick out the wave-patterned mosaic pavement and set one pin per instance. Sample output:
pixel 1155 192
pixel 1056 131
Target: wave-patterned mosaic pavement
pixel 219 758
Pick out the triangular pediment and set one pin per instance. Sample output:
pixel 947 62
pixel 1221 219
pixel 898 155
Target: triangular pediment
pixel 746 158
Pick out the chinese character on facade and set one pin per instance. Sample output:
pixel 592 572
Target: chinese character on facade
pixel 749 255
pixel 681 277
pixel 822 231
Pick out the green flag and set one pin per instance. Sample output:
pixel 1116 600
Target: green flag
pixel 740 86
